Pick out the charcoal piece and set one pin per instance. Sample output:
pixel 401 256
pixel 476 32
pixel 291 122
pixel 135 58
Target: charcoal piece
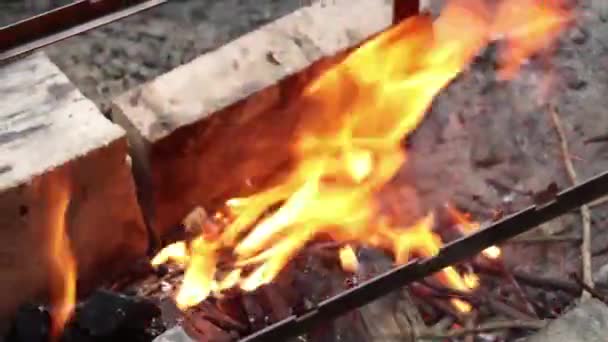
pixel 31 324
pixel 107 314
pixel 72 334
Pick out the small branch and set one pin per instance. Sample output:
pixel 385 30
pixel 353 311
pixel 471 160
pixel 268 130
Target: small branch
pixel 533 280
pixel 521 294
pixel 600 251
pixel 443 324
pixel 505 309
pixel 545 239
pixel 488 327
pixel 598 202
pixel 594 293
pixel 496 305
pixel 585 212
pixel 469 324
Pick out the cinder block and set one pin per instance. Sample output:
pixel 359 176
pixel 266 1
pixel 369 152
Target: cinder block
pixel 54 141
pixel 213 127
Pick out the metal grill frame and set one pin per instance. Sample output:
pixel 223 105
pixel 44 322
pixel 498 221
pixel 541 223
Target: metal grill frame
pixel 30 34
pixel 455 252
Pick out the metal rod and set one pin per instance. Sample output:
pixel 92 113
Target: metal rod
pixel 452 253
pixel 41 30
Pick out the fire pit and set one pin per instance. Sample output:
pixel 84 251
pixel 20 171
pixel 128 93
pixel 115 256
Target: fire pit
pixel 281 202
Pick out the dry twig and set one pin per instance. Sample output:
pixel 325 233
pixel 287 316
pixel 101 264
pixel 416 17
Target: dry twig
pixel 598 202
pixel 594 293
pixel 488 327
pixel 541 282
pixel 585 212
pixel 545 239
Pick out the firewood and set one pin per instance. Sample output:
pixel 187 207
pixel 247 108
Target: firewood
pixel 201 329
pixel 54 139
pixel 213 314
pixel 393 315
pixel 278 305
pixel 223 138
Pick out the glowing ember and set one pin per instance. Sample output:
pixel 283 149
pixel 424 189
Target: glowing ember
pixel 348 146
pixel 492 252
pixel 62 265
pixel 471 280
pixel 348 259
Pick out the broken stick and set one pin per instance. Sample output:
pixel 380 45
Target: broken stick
pixel 585 211
pixel 488 327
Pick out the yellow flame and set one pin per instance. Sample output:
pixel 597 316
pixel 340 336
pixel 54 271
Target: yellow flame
pixel 348 146
pixel 176 252
pixel 348 259
pixel 492 252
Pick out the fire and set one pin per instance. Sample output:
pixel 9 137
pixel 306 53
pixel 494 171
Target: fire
pixel 467 226
pixel 348 146
pixel 348 259
pixel 62 262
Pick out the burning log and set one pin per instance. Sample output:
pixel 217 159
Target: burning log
pixel 217 118
pixel 67 198
pixel 343 148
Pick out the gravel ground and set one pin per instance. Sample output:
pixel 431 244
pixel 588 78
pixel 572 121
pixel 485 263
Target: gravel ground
pixel 106 62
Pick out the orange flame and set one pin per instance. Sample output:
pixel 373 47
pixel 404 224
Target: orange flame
pixel 62 266
pixel 467 226
pixel 348 146
pixel 348 259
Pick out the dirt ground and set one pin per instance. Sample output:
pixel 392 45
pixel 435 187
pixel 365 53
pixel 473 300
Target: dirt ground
pixel 489 145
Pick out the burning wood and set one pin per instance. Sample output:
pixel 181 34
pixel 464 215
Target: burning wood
pixel 67 199
pixel 348 147
pixel 62 260
pixel 242 263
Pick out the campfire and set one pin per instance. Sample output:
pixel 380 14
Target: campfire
pixel 235 269
pixel 348 147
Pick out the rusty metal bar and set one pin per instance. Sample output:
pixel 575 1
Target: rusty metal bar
pixel 452 253
pixel 41 30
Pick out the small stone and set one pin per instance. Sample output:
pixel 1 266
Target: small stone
pixel 579 35
pixel 577 84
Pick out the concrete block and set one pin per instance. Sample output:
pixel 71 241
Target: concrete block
pixel 211 128
pixel 55 142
